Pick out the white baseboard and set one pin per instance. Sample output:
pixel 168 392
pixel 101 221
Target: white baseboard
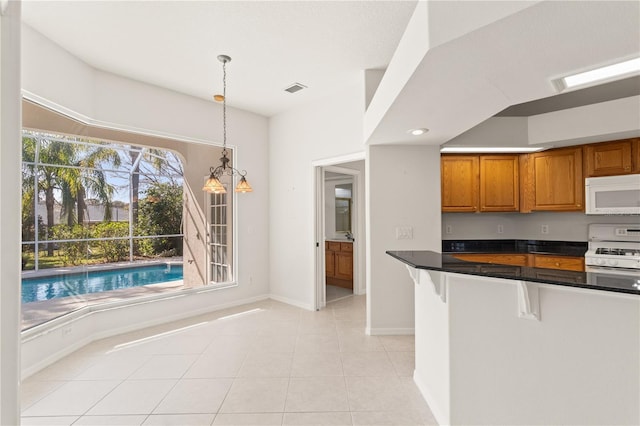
pixel 441 417
pixel 292 302
pixel 389 331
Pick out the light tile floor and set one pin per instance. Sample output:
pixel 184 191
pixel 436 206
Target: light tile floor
pixel 266 363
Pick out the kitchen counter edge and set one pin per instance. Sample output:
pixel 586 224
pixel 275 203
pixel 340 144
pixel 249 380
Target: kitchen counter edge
pixel 430 260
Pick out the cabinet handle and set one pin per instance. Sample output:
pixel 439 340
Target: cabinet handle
pixel 557 263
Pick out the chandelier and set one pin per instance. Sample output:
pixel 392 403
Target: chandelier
pixel 213 184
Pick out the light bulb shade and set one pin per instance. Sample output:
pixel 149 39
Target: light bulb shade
pixel 213 186
pixel 243 186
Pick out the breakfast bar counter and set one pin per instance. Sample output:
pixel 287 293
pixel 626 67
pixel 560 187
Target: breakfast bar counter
pixel 430 260
pixel 503 344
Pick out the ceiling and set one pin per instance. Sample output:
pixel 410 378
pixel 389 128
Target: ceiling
pixel 324 45
pixel 481 59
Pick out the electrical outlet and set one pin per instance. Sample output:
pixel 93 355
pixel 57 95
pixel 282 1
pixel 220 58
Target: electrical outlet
pixel 500 229
pixel 448 229
pixel 544 229
pixel 404 233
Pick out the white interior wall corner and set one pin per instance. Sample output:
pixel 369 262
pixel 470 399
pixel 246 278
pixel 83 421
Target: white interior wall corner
pixel 393 201
pixel 298 138
pixel 10 156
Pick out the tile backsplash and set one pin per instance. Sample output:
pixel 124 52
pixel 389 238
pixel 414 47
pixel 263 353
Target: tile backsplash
pixel 554 226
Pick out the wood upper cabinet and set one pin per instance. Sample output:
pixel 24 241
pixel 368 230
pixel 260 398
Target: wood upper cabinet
pixel 499 183
pixel 608 159
pixel 485 183
pixel 459 183
pixel 554 180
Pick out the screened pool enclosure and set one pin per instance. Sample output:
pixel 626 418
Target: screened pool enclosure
pixel 88 202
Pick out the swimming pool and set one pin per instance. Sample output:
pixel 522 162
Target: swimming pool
pixel 57 286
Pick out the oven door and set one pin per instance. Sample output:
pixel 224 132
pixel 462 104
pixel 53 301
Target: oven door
pixel 613 195
pixel 613 277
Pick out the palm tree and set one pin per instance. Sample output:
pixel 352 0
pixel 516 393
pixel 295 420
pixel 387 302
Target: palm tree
pixel 75 172
pixel 87 179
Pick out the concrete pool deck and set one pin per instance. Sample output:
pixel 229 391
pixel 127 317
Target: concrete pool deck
pixel 35 313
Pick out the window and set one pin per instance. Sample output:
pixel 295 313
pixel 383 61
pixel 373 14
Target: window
pixel 95 203
pixel 220 234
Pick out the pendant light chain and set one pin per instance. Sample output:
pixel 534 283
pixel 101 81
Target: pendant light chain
pixel 224 107
pixel 213 184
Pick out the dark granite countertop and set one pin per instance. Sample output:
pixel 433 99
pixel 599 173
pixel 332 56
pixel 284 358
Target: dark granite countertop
pixel 430 260
pixel 561 248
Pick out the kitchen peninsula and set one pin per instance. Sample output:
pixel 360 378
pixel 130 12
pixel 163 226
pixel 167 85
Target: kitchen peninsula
pixel 505 344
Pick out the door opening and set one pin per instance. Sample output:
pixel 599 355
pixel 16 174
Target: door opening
pixel 340 231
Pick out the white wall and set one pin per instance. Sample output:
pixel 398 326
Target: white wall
pixel 53 77
pixel 405 195
pixel 10 193
pixel 496 131
pixel 615 119
pixel 563 226
pixel 599 122
pixel 325 129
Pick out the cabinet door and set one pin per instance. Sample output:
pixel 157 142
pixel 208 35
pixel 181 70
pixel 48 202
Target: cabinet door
pixel 559 262
pixel 459 183
pixel 344 265
pixel 635 152
pixel 607 159
pixel 558 184
pixel 499 183
pixel 329 263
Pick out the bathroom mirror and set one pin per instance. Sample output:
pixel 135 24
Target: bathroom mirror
pixel 343 207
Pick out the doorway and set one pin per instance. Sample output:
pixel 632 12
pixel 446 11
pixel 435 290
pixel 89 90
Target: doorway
pixel 340 231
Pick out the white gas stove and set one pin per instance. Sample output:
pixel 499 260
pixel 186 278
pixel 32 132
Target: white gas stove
pixel 613 247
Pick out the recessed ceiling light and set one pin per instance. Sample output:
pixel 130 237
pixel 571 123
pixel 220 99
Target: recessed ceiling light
pixel 484 149
pixel 418 132
pixel 599 75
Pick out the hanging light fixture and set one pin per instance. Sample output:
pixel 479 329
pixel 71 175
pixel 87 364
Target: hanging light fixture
pixel 213 184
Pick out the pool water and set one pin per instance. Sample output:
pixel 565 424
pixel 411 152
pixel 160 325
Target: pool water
pixel 56 286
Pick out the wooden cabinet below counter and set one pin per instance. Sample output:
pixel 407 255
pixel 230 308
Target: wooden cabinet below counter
pixel 500 259
pixel 546 261
pixel 339 263
pixel 567 263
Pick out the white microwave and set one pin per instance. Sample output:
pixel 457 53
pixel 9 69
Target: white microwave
pixel 613 195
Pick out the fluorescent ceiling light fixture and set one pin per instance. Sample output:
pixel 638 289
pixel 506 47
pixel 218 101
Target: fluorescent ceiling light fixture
pixel 486 149
pixel 610 72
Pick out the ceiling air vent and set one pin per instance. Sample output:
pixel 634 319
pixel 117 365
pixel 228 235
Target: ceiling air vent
pixel 295 87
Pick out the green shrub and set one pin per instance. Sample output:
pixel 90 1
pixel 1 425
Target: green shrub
pixel 112 250
pixel 72 252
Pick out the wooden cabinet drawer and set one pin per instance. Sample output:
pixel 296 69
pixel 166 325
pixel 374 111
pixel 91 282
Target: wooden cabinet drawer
pixel 348 247
pixel 500 259
pixel 333 245
pixel 558 262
